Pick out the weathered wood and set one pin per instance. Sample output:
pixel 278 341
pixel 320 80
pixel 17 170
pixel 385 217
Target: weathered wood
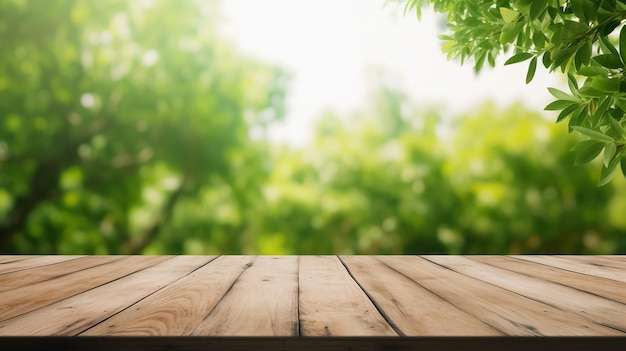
pixel 331 303
pixel 577 266
pixel 412 308
pixel 207 298
pixel 27 298
pixel 73 315
pixel 178 308
pixel 34 275
pixel 13 258
pixel 607 288
pixel 600 310
pixel 606 261
pixel 36 261
pixel 262 301
pixel 504 310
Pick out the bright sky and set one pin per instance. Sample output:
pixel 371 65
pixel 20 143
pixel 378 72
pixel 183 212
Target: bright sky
pixel 332 48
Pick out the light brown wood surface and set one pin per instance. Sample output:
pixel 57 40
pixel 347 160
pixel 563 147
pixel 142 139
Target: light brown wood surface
pixel 598 309
pixel 286 296
pixel 75 314
pixel 415 309
pixel 16 279
pixel 331 303
pixel 262 301
pixel 603 287
pixel 178 308
pixel 579 266
pixel 13 264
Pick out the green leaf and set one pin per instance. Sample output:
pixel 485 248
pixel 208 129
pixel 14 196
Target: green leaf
pixel 539 39
pixel 609 152
pixel 588 152
pixel 578 116
pixel 536 9
pixel 588 91
pixel 605 84
pixel 571 82
pixel 510 31
pixel 623 164
pixel 559 105
pixel 480 61
pixel 622 44
pixel 561 95
pixel 592 71
pixel 532 67
pixel 583 54
pixel 566 112
pixel 607 47
pixel 607 172
pixel 609 61
pixel 616 127
pixel 546 59
pixel 584 144
pixel 595 135
pixel 561 57
pixel 601 110
pixel 518 58
pixel 583 9
pixel 508 15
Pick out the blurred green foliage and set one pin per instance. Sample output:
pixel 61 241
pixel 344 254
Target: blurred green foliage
pixel 114 112
pixel 124 128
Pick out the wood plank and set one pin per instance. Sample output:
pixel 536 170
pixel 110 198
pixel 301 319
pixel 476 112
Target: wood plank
pixel 178 308
pixel 34 275
pixel 263 301
pixel 32 262
pixel 73 315
pixel 331 302
pixel 4 259
pixel 577 266
pixel 28 298
pixel 598 309
pixel 504 310
pixel 602 261
pixel 412 308
pixel 607 288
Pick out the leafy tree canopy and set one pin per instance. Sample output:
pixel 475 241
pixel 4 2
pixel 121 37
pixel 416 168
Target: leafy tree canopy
pixel 584 39
pixel 112 113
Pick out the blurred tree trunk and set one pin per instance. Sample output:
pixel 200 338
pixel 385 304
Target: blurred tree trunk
pixel 136 245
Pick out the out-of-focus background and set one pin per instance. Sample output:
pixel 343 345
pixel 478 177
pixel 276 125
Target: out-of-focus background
pixel 278 127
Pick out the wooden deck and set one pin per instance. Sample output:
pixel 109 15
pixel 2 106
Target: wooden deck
pixel 369 302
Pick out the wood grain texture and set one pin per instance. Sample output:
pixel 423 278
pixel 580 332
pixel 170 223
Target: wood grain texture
pixel 13 258
pixel 412 308
pixel 73 315
pixel 607 288
pixel 207 298
pixel 573 265
pixel 263 301
pixel 28 298
pixel 178 308
pixel 332 303
pixel 36 261
pixel 504 310
pixel 34 275
pixel 602 261
pixel 600 310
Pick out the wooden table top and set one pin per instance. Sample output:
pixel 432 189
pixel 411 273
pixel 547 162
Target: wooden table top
pixel 370 297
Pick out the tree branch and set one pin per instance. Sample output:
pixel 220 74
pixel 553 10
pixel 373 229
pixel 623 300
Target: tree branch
pixel 136 245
